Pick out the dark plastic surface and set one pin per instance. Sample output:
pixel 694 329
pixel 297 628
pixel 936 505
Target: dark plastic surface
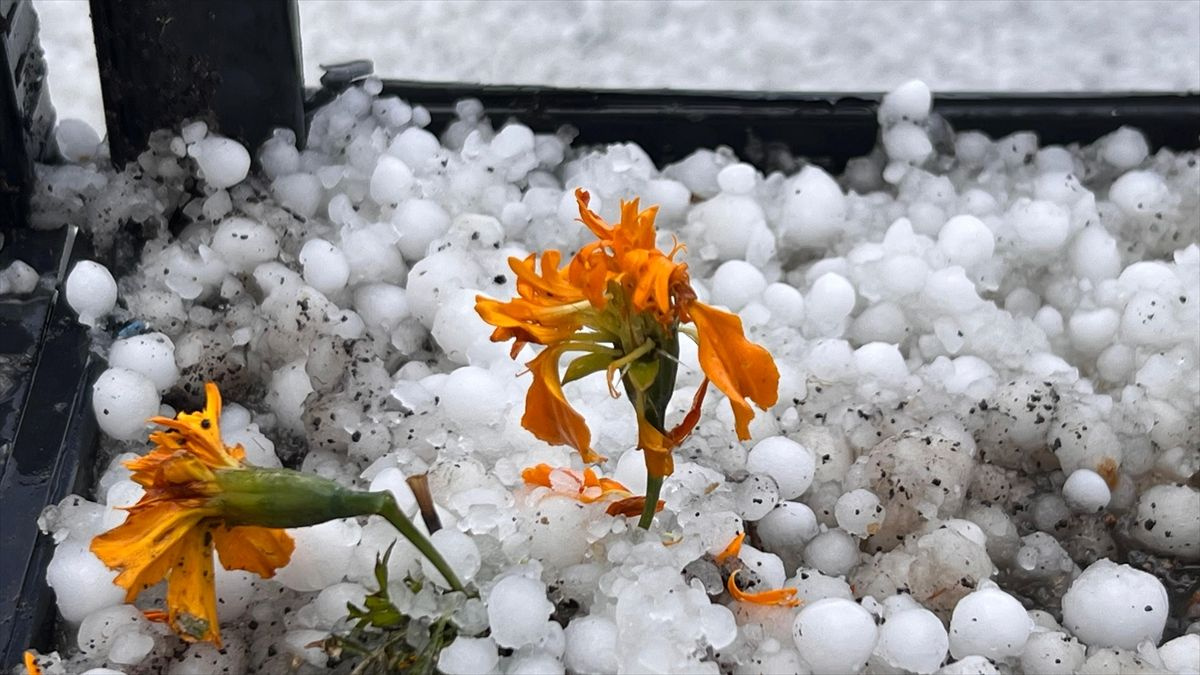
pixel 26 116
pixel 233 63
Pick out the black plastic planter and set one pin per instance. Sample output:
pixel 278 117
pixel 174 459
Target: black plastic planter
pixel 48 437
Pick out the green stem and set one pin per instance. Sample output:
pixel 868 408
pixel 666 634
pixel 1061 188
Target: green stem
pixel 392 513
pixel 653 487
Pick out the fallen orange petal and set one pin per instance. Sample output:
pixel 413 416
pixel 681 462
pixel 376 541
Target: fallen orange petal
pixel 781 597
pixel 31 665
pixel 732 549
pixel 631 506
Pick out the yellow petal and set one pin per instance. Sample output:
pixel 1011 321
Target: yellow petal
pixel 261 550
pixel 201 432
pixel 191 590
pixel 146 545
pixel 735 365
pixel 547 413
pixel 657 448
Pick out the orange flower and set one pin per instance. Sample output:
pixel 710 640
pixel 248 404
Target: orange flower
pixel 172 531
pixel 587 488
pixel 621 302
pixel 783 597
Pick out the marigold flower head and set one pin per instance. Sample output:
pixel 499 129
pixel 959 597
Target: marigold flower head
pixel 620 302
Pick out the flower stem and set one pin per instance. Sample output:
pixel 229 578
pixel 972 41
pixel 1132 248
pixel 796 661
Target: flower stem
pixel 392 513
pixel 653 487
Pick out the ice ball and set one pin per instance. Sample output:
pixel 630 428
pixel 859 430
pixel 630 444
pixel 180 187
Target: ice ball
pixel 591 645
pixel 791 465
pixel 1182 655
pixel 460 553
pixel 814 208
pixel 473 397
pixel 737 283
pixel 859 512
pixel 151 354
pixel 990 623
pixel 123 400
pixel 1086 491
pixel 913 639
pixel 1041 225
pixel 517 611
pixel 82 584
pixel 910 102
pixel 1111 605
pixel 391 181
pixel 91 291
pixel 1165 520
pixel 244 244
pixel 966 241
pixel 322 555
pixel 1139 193
pixel 835 635
pixel 223 161
pixel 419 222
pixel 469 656
pixel 830 300
pixel 325 266
pixel 1052 653
pixel 833 552
pixel 1124 148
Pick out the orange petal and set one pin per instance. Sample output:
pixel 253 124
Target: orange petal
pixel 537 475
pixel 148 543
pixel 631 507
pixel 261 550
pixel 547 413
pixel 657 448
pixel 31 664
pixel 732 549
pixel 191 590
pixel 782 597
pixel 201 432
pixel 589 218
pixel 735 365
pixel 684 428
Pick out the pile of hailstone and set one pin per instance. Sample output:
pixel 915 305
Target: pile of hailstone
pixel 989 396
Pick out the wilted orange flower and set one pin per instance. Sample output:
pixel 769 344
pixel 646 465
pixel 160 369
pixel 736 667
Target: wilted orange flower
pixel 587 488
pixel 621 302
pixel 172 531
pixel 727 558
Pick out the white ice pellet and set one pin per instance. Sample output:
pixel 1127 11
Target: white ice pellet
pixel 460 553
pixel 517 611
pixel 469 656
pixel 300 192
pixel 790 464
pixel 830 300
pixel 415 147
pixel 331 602
pixel 907 142
pixel 1139 193
pixel 989 622
pixel 814 208
pixel 535 663
pixel 789 524
pixel 737 179
pixel 150 354
pixel 381 306
pixel 785 303
pixel 1182 655
pixel 244 244
pixel 835 635
pixel 966 241
pixel 755 497
pixel 1052 653
pixel 767 566
pixel 737 283
pixel 1094 254
pixel 99 628
pixel 123 401
pixel 1086 491
pixel 591 645
pixel 1165 520
pixel 77 140
pixel 1091 331
pixel 128 649
pixel 91 291
pixel 18 278
pixel 473 397
pixel 859 512
pixel 833 552
pixel 1040 225
pixel 1124 148
pixel 971 665
pixel 325 266
pixel 223 161
pixel 432 279
pixel 910 102
pixel 82 584
pixel 1112 605
pixel 391 182
pixel 914 640
pixel 462 333
pixel 321 556
pixel 882 362
pixel 288 388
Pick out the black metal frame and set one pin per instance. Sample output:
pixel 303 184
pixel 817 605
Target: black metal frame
pixel 237 65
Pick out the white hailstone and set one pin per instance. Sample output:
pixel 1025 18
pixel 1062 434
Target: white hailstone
pixel 235 591
pixel 812 586
pixel 1115 364
pixel 82 584
pixel 534 663
pixel 591 645
pixel 1094 254
pixel 1139 193
pixel 914 640
pixel 151 354
pixel 950 290
pixel 1086 491
pixel 1166 523
pixel 462 333
pixel 223 161
pixel 989 622
pixel 910 101
pixel 469 656
pixel 755 497
pixel 1050 320
pixel 788 524
pixel 830 300
pixel 303 646
pixel 77 140
pixel 18 278
pixel 381 306
pixel 736 283
pixel 260 450
pixel 99 628
pixel 835 635
pixel 790 464
pixel 460 552
pixel 814 208
pixel 785 303
pixel 767 566
pixel 971 665
pixel 737 179
pixel 859 512
pixel 433 278
pixel 331 602
pixel 1147 321
pixel 473 397
pixel 1091 331
pixel 119 496
pixel 288 388
pixel 1124 148
pixel 391 182
pixel 1182 655
pixel 1040 225
pixel 966 241
pixel 907 142
pixel 1052 653
pixel 517 611
pixel 415 147
pixel 833 552
pixel 205 658
pixel 123 400
pixel 325 266
pixel 882 322
pixel 556 515
pixel 91 291
pixel 882 362
pixel 300 192
pixel 394 481
pixel 1111 605
pixel 129 648
pixel 244 244
pixel 322 555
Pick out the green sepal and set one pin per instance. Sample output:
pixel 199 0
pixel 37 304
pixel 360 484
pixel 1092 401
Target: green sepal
pixel 642 374
pixel 586 365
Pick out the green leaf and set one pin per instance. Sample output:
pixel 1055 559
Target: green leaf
pixel 642 374
pixel 586 365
